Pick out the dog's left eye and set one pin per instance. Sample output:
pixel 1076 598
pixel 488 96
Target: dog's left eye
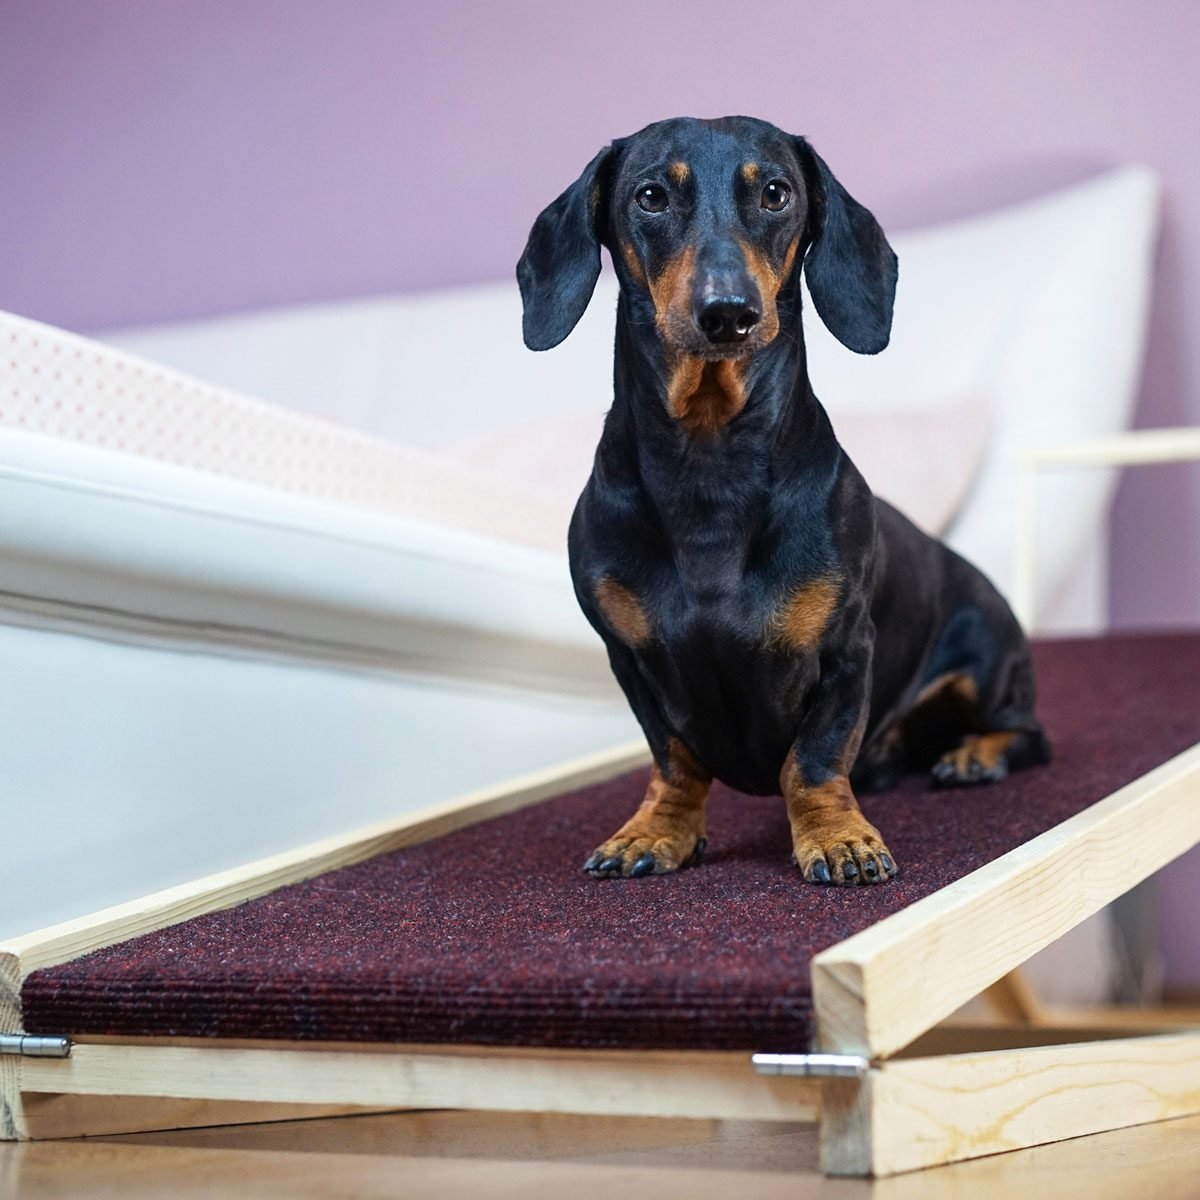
pixel 776 196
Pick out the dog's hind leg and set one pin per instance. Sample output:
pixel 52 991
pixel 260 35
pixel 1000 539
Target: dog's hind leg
pixel 983 712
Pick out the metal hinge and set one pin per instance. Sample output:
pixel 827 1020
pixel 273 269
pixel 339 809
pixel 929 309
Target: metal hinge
pixel 30 1045
pixel 818 1066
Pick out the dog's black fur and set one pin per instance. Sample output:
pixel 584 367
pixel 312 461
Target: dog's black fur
pixel 771 622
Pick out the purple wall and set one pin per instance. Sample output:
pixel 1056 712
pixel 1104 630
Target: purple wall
pixel 173 159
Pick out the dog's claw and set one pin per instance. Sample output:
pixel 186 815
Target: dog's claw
pixel 888 865
pixel 849 869
pixel 819 872
pixel 643 866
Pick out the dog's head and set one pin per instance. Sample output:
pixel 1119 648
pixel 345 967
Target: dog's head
pixel 708 223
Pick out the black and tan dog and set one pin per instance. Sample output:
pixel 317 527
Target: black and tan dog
pixel 772 623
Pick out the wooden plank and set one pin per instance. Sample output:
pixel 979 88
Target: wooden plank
pixel 881 988
pixel 1131 447
pixel 1097 1019
pixel 12 1120
pixel 620 1082
pixel 1013 999
pixel 1130 1017
pixel 12 1115
pixel 921 1112
pixel 49 1116
pixel 59 943
pixel 952 1038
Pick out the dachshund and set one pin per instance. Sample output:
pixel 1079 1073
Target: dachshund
pixel 772 623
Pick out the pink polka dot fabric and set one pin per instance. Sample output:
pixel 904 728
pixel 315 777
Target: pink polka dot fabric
pixel 61 385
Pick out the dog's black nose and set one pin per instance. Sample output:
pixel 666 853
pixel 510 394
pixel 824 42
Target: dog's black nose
pixel 725 319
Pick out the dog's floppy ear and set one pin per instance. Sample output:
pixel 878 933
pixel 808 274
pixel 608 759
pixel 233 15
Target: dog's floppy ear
pixel 561 263
pixel 850 267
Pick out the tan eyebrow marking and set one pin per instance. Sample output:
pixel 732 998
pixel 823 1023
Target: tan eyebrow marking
pixel 749 172
pixel 679 171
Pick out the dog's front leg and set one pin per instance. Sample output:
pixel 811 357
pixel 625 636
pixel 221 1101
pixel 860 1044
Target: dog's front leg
pixel 832 842
pixel 667 831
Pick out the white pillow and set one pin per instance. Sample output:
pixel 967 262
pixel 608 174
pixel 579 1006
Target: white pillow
pixel 922 460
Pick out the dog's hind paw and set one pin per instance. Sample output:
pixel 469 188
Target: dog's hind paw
pixel 982 758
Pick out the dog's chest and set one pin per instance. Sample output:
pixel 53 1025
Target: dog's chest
pixel 720 675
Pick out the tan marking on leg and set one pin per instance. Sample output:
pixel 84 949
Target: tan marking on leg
pixel 831 839
pixel 953 683
pixel 990 748
pixel 669 823
pixel 679 172
pixel 623 611
pixel 981 758
pixel 705 396
pixel 801 619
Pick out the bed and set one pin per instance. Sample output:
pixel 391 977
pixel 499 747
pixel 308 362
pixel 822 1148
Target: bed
pixel 256 570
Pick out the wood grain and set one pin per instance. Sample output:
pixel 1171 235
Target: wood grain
pixel 49 1115
pixel 910 1113
pixel 638 1083
pixel 12 1120
pixel 878 990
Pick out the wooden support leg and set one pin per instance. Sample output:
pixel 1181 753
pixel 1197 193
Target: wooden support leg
pixel 12 1116
pixel 921 1112
pixel 1012 999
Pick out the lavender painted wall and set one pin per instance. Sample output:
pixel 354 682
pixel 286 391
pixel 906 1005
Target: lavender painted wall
pixel 172 158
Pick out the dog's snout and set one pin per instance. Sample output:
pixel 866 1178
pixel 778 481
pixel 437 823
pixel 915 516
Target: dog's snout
pixel 726 319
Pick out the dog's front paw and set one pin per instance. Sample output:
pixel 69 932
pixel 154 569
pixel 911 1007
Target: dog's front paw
pixel 632 855
pixel 842 848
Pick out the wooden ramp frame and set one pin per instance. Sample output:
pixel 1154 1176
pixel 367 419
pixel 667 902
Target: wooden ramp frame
pixel 899 1093
pixel 910 1101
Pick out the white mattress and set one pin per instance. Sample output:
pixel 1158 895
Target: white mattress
pixel 152 506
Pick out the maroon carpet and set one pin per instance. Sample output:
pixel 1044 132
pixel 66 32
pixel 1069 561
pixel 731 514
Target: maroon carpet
pixel 494 935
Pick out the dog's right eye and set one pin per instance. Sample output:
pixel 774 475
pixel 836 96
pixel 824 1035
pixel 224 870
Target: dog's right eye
pixel 652 198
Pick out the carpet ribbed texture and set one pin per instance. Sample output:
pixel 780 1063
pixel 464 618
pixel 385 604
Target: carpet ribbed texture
pixel 493 935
